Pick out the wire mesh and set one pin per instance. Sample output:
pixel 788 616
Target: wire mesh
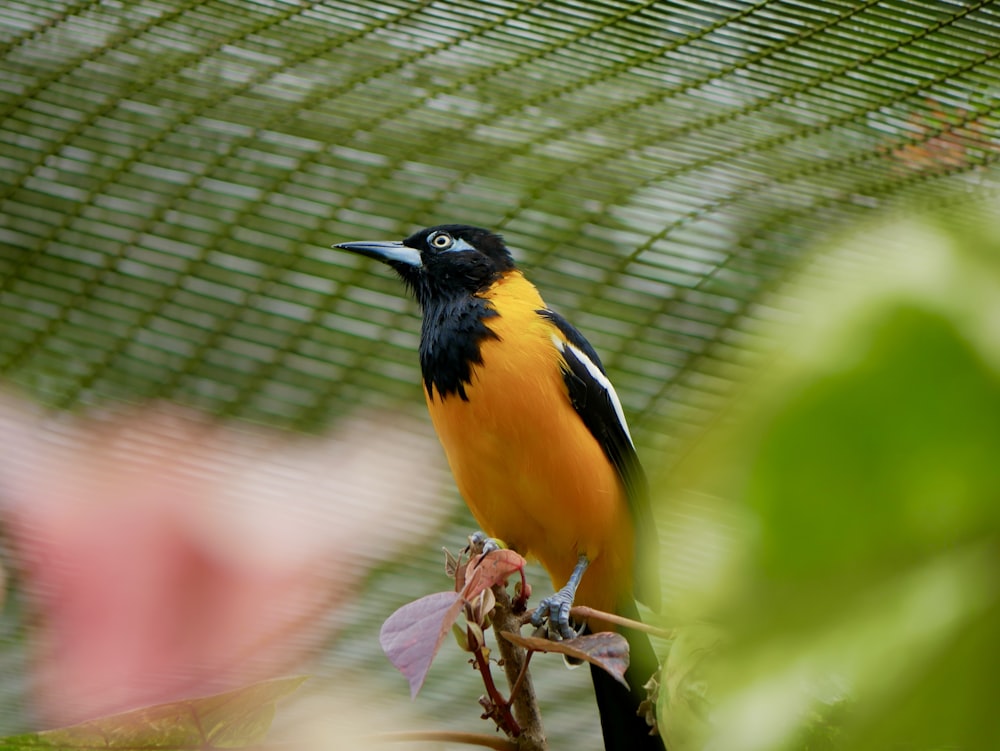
pixel 175 172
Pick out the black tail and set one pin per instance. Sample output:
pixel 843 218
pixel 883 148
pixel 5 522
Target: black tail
pixel 624 729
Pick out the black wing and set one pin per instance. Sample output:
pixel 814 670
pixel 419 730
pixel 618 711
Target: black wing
pixel 594 399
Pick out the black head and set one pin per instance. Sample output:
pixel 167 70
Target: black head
pixel 442 262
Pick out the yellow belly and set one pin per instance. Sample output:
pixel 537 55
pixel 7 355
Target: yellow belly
pixel 529 469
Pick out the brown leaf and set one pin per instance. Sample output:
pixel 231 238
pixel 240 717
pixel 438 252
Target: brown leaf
pixel 451 563
pixel 412 635
pixel 607 650
pixel 493 568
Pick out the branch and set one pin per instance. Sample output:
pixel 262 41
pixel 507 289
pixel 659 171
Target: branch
pixel 523 700
pixel 447 736
pixel 582 612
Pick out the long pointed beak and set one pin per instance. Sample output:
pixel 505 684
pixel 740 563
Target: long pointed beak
pixel 387 251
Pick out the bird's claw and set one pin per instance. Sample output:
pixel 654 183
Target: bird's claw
pixel 555 609
pixel 481 543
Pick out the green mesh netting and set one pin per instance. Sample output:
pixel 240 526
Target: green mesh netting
pixel 174 173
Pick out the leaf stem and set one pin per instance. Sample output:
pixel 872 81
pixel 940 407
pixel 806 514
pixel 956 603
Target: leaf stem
pixel 500 709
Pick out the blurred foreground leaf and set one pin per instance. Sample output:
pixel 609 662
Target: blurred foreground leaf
pixel 864 607
pixel 683 701
pixel 235 719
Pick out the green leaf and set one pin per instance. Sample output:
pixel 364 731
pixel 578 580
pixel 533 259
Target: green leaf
pixel 234 719
pixel 862 472
pixel 683 701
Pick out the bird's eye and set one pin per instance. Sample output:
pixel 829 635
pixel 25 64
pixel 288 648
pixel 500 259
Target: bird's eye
pixel 441 240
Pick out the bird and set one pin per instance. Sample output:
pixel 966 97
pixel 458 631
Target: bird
pixel 536 438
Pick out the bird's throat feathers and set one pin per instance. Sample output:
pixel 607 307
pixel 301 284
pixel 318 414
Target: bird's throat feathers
pixel 451 337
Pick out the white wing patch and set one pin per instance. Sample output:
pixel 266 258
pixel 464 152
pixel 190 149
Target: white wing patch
pixel 599 377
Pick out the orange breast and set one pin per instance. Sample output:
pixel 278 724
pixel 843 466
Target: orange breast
pixel 529 469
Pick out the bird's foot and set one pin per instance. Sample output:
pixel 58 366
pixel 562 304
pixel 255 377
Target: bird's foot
pixel 481 543
pixel 555 610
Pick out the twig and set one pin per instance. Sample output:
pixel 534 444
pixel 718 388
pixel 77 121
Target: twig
pixel 521 676
pixel 446 736
pixel 499 708
pixel 582 612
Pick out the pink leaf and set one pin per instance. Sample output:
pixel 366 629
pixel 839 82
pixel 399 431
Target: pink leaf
pixel 412 635
pixel 493 568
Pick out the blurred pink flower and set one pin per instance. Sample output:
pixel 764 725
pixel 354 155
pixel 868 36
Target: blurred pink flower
pixel 168 556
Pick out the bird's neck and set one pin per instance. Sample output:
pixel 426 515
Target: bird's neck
pixel 455 327
pixel 451 333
